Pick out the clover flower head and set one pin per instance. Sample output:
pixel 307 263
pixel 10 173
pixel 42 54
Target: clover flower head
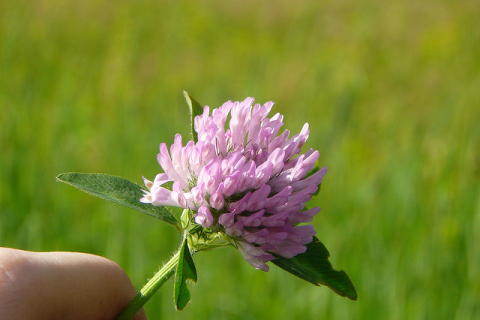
pixel 247 182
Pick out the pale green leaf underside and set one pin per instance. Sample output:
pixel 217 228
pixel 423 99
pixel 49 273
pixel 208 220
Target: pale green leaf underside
pixel 185 271
pixel 313 266
pixel 195 110
pixel 118 190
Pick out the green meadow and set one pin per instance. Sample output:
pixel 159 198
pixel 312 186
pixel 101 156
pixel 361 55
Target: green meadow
pixel 391 90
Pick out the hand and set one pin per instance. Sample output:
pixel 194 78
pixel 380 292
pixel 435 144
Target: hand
pixel 63 286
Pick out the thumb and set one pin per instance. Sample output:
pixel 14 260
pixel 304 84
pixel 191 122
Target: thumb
pixel 62 285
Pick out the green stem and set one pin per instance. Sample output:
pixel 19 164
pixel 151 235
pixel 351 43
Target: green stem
pixel 149 289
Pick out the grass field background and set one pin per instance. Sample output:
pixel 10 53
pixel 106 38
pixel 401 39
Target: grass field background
pixel 391 90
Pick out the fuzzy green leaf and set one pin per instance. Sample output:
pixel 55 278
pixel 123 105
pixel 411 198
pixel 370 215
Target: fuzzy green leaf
pixel 195 110
pixel 185 271
pixel 313 266
pixel 118 190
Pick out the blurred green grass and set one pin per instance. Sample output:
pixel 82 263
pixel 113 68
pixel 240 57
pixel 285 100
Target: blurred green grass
pixel 390 89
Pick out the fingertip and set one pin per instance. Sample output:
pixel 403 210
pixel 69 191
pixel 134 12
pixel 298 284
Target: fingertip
pixel 62 285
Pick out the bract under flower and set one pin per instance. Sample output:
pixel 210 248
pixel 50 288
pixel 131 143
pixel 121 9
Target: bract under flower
pixel 246 182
